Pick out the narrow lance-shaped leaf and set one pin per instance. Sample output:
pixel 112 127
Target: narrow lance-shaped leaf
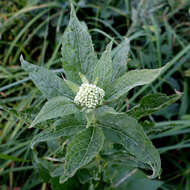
pixel 103 70
pixel 152 103
pixel 81 150
pixel 125 130
pixel 120 56
pixel 55 107
pixel 46 81
pixel 13 158
pixel 77 49
pixel 130 80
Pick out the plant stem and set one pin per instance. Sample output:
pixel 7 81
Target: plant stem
pixel 90 117
pixel 44 186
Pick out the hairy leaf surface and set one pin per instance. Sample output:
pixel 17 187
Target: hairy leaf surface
pixel 77 50
pixel 103 70
pixel 46 81
pixel 81 150
pixel 152 103
pixel 120 56
pixel 123 177
pixel 125 130
pixel 52 134
pixel 55 107
pixel 130 80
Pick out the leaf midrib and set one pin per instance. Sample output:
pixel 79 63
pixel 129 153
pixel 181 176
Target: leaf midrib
pixel 88 146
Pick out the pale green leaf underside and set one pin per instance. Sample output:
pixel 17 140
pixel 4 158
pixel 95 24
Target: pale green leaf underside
pixel 152 103
pixel 81 150
pixel 103 70
pixel 130 80
pixel 55 107
pixel 53 134
pixel 125 130
pixel 46 81
pixel 77 49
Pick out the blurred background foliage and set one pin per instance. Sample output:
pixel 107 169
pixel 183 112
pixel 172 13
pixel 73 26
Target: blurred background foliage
pixel 159 31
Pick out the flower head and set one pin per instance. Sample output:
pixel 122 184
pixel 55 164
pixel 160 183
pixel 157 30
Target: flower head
pixel 89 96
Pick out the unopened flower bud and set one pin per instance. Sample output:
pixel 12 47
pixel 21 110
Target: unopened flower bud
pixel 89 96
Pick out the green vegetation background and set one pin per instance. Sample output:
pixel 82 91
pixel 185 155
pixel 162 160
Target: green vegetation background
pixel 159 31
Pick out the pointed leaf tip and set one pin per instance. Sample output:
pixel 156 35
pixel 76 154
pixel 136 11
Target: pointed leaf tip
pixel 77 50
pixel 30 126
pixel 109 46
pixel 46 81
pixel 21 59
pixel 127 40
pixel 72 10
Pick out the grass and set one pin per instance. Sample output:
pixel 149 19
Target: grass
pixel 159 33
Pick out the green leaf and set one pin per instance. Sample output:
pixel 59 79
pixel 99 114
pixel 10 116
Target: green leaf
pixel 144 184
pixel 53 134
pixel 116 153
pixel 123 177
pixel 44 173
pixel 152 103
pixel 130 80
pixel 103 69
pixel 55 185
pixel 77 49
pixel 115 172
pixel 74 87
pixel 55 107
pixel 13 158
pixel 85 175
pixel 187 73
pixel 43 166
pixel 83 78
pixel 125 130
pixel 81 150
pixel 46 81
pixel 74 119
pixel 58 171
pixel 104 110
pixel 120 55
pixel 71 184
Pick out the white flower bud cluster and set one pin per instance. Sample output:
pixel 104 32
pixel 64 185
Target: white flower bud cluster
pixel 89 96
